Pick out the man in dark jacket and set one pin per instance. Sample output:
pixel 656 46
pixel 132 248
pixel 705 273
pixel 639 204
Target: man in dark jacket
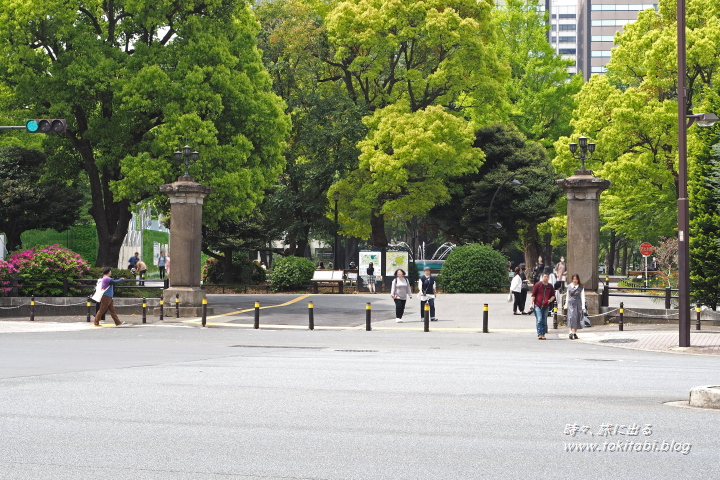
pixel 428 290
pixel 543 295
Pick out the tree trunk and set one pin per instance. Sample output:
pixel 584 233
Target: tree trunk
pixel 610 263
pixel 531 246
pixel 624 269
pixel 351 250
pixel 378 238
pixel 227 265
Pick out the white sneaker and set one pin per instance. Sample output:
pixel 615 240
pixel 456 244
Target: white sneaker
pixel 398 320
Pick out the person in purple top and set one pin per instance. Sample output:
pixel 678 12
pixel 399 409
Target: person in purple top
pixel 106 304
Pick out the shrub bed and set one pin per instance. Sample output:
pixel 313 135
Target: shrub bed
pixel 474 269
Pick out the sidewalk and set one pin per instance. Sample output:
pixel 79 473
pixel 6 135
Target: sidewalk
pixel 457 313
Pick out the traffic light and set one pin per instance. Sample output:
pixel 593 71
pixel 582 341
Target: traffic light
pixel 46 125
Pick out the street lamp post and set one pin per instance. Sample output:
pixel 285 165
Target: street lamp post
pixel 586 151
pixel 684 122
pixel 336 197
pixel 187 154
pixel 514 183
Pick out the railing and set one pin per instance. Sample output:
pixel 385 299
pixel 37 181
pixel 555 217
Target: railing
pixel 667 291
pixel 14 287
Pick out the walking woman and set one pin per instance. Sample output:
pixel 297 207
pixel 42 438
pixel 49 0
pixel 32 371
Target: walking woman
pixel 371 278
pixel 106 304
pixel 400 291
pixel 517 291
pixel 575 303
pixel 543 295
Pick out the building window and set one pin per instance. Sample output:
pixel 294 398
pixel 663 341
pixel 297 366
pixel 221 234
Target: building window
pixel 568 16
pixel 602 38
pixel 598 69
pixel 609 23
pixel 564 39
pixel 567 51
pixel 600 53
pixel 624 8
pixel 565 28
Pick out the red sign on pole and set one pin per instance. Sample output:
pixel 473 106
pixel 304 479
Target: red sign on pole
pixel 646 249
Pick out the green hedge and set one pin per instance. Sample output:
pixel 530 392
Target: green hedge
pixel 291 272
pixel 474 269
pixel 81 239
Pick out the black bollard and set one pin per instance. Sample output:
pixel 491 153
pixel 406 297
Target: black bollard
pixel 426 320
pixel 257 316
pixel 177 305
pixel 485 318
pixel 311 317
pixel 555 320
pixel 162 306
pixel 204 312
pixel 87 319
pixel 32 308
pixel 144 314
pixel 698 310
pixel 668 294
pixel 622 311
pixel 368 317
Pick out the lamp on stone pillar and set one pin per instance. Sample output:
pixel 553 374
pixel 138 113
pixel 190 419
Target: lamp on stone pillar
pixel 186 201
pixel 583 231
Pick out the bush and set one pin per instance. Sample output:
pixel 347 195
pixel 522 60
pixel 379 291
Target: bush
pixel 291 272
pixel 474 269
pixel 244 271
pixel 47 266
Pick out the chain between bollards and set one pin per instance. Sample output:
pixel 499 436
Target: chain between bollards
pixel 204 311
pixel 257 316
pixel 32 308
pixel 162 305
pixel 177 305
pixel 311 316
pixel 368 317
pixel 485 318
pixel 426 320
pixel 87 318
pixel 144 315
pixel 698 310
pixel 622 312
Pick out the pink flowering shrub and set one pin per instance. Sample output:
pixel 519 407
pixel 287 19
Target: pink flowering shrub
pixel 45 267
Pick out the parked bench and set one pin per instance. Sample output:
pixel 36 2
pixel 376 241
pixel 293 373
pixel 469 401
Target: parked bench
pixel 332 277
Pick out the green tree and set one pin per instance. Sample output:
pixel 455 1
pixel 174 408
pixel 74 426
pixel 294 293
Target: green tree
pixel 31 200
pixel 520 209
pixel 704 235
pixel 540 95
pixel 406 161
pixel 135 79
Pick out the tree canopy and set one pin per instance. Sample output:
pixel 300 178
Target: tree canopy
pixel 136 80
pixel 31 200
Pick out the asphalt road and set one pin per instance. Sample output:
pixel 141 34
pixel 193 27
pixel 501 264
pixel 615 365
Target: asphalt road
pixel 179 402
pixel 329 310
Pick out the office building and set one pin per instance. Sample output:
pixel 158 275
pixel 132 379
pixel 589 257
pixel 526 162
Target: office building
pixel 598 21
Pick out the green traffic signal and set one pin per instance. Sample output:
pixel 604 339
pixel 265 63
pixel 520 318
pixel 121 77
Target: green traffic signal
pixel 46 125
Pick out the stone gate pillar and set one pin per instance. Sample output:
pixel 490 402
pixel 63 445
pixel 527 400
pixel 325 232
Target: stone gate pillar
pixel 583 231
pixel 186 204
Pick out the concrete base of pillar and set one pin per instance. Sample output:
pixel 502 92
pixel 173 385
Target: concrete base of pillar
pixel 592 302
pixel 189 296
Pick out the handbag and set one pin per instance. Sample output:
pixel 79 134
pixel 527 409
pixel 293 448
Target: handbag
pixel 99 291
pixel 510 297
